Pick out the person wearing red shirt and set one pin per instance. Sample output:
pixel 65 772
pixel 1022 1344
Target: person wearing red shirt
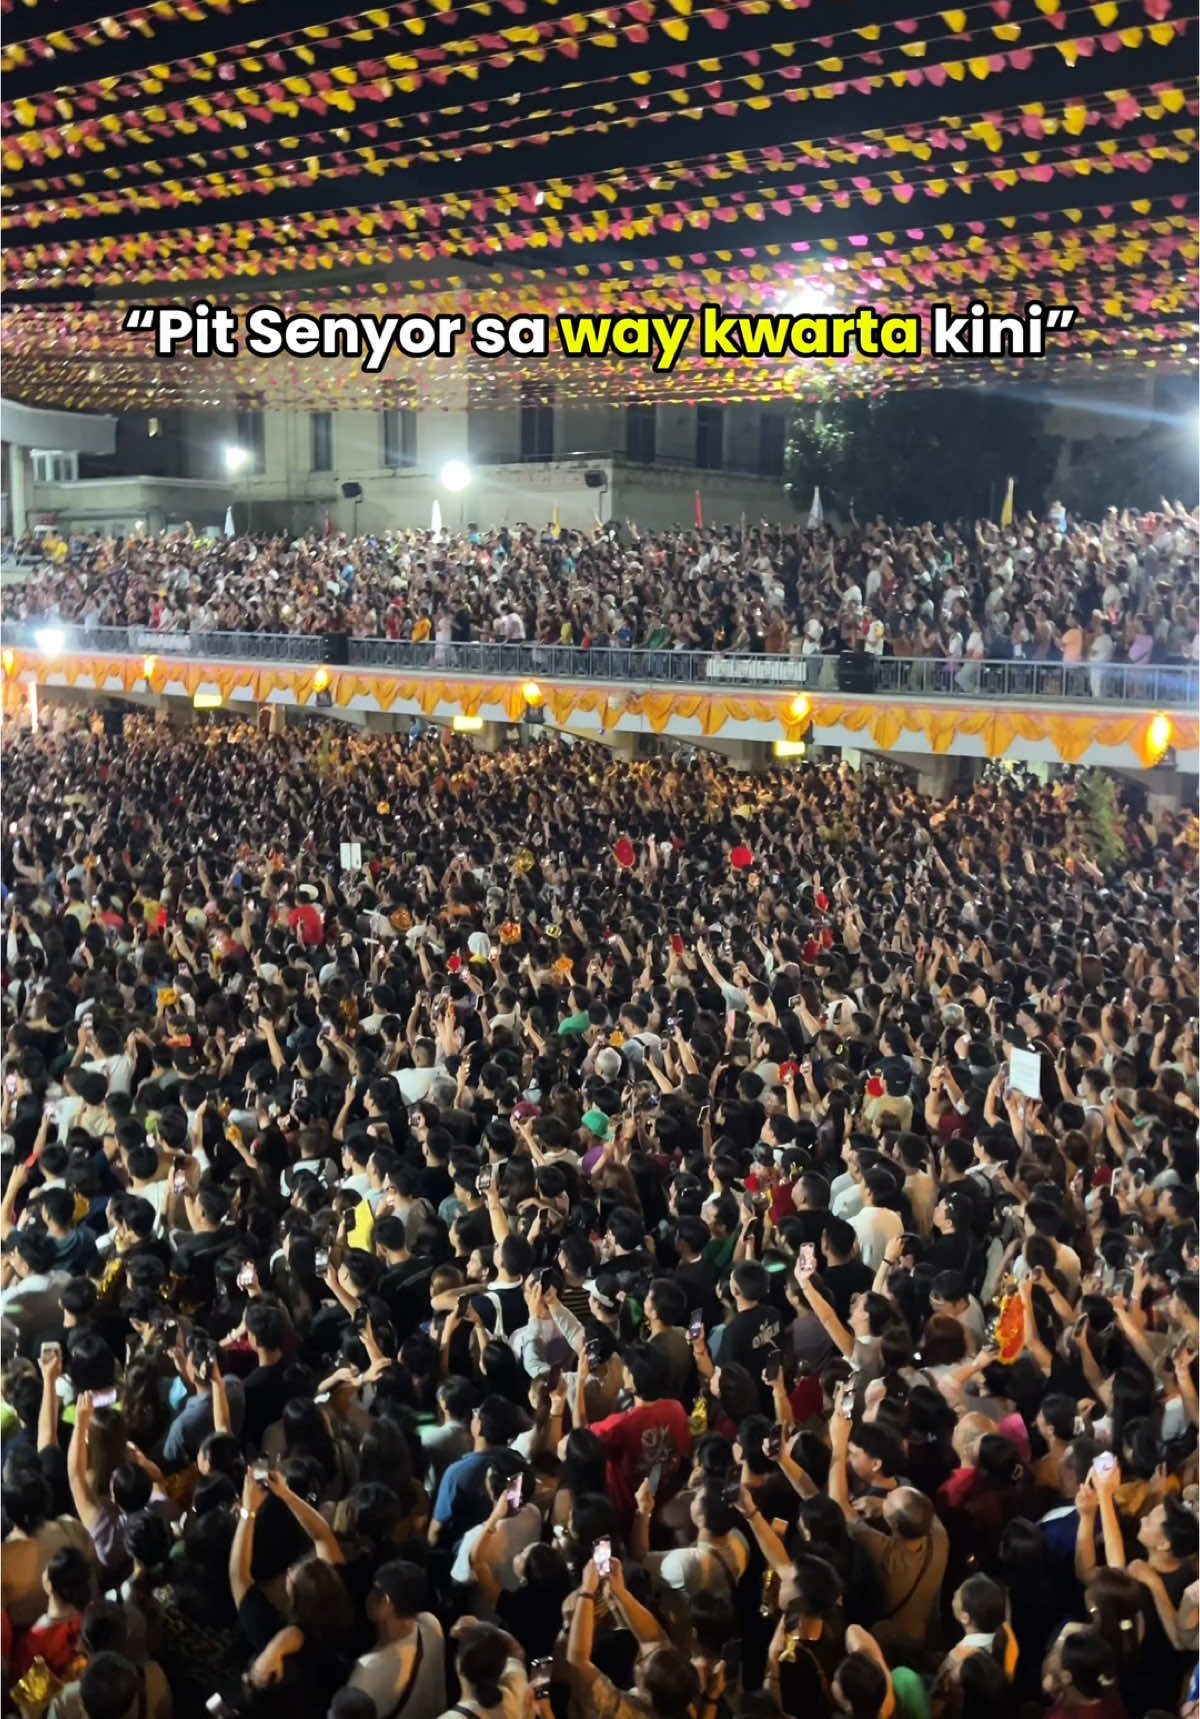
pixel 306 919
pixel 649 1440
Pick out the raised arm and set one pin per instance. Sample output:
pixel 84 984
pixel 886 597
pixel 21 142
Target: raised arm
pixel 582 1633
pixel 241 1553
pixel 769 1543
pixel 838 1334
pixel 87 1505
pixel 47 1438
pixel 644 1624
pixel 324 1540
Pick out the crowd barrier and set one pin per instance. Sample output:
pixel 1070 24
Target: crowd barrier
pixel 1161 685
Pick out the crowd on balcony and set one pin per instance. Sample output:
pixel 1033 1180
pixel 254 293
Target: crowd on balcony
pixel 1057 590
pixel 530 1234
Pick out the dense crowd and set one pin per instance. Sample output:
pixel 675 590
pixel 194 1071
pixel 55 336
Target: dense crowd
pixel 648 1243
pixel 1057 590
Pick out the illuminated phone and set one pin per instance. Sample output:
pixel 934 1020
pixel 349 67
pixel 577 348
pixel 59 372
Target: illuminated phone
pixel 654 1479
pixel 696 1326
pixel 1105 1462
pixel 104 1399
pixel 539 1677
pixel 808 1256
pixel 602 1557
pixel 514 1490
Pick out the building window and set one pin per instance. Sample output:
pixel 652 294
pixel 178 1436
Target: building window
pixel 710 435
pixel 772 441
pixel 51 466
pixel 252 440
pixel 640 431
pixel 399 439
pixel 537 430
pixel 320 438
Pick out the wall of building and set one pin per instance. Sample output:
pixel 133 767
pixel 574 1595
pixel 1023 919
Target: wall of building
pixel 192 448
pixel 120 505
pixel 657 499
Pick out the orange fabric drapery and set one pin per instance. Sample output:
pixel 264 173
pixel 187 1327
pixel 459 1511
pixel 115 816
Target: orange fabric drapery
pixel 885 725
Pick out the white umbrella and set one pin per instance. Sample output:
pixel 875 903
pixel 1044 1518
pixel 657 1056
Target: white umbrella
pixel 229 531
pixel 435 523
pixel 816 512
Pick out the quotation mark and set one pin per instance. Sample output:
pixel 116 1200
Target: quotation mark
pixel 139 318
pixel 1060 316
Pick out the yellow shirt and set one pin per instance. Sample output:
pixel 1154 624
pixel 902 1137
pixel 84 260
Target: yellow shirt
pixel 363 1228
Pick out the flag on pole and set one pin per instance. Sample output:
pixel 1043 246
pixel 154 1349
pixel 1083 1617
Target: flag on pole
pixel 816 513
pixel 555 527
pixel 699 513
pixel 229 531
pixel 1006 510
pixel 328 526
pixel 435 523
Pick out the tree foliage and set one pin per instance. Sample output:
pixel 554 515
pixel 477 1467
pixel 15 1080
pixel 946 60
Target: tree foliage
pixel 1103 816
pixel 936 454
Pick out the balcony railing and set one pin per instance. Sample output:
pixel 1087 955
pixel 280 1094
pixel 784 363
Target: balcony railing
pixel 1160 685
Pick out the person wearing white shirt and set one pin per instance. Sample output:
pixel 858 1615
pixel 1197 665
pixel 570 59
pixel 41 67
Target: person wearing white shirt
pixel 875 1226
pixel 506 1533
pixel 406 1672
pixel 415 1082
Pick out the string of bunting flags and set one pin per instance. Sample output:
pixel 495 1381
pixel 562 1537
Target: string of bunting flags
pixel 414 158
pixel 341 90
pixel 1012 134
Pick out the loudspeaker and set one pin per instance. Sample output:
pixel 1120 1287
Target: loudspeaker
pixel 352 491
pixel 595 479
pixel 114 722
pixel 335 649
pixel 855 672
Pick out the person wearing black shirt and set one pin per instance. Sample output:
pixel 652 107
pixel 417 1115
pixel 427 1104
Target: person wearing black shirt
pixel 405 1283
pixel 755 1328
pixel 694 1274
pixel 264 1390
pixel 434 1181
pixel 845 1275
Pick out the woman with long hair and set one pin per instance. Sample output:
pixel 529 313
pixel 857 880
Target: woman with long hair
pixel 491 1673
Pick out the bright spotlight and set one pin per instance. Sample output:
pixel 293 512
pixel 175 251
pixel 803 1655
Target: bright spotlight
pixel 466 724
pixel 320 680
pixel 531 692
pixel 1159 735
pixel 800 707
pixel 235 457
pixel 149 664
pixel 809 298
pixel 51 641
pixel 455 475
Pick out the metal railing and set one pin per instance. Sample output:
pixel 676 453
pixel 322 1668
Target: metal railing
pixel 1158 685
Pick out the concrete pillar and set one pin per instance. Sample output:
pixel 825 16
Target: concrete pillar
pixel 936 777
pixel 489 738
pixel 20 487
